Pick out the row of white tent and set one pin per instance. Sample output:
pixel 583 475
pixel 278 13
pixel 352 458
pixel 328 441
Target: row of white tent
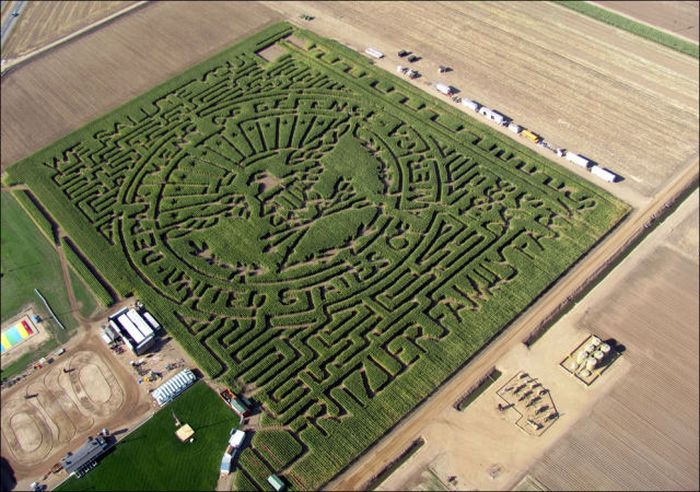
pixel 173 386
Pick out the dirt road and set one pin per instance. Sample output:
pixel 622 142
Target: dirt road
pixel 372 462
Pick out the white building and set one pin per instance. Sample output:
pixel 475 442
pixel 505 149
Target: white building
pixel 579 160
pixel 473 105
pixel 494 115
pixel 173 387
pixel 236 438
pixel 603 173
pixel 137 330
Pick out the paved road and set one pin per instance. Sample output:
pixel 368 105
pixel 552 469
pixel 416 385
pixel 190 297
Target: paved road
pixel 391 446
pixel 11 20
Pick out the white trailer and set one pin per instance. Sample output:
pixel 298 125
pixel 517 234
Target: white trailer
pixel 374 53
pixel 494 115
pixel 577 159
pixel 473 105
pixel 237 438
pixel 444 89
pixel 515 128
pixel 604 174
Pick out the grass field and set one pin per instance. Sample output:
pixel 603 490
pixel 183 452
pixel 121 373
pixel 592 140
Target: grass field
pixel 629 25
pixel 153 458
pixel 28 261
pixel 317 231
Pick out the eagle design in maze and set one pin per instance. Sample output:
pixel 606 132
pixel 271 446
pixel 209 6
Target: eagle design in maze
pixel 333 252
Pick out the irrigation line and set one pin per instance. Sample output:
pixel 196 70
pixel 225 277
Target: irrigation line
pixel 49 309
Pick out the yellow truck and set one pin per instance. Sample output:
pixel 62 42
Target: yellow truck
pixel 531 136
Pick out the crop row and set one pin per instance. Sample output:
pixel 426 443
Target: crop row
pixel 74 259
pixel 37 216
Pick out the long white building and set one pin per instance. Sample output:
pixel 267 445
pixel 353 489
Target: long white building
pixel 173 387
pixel 137 330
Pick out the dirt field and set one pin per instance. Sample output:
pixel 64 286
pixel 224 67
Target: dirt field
pixel 52 411
pixel 678 17
pixel 77 82
pixel 627 103
pixel 644 435
pixel 471 444
pixel 44 22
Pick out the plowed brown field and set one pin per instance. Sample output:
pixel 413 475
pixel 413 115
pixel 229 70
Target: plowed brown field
pixel 679 17
pixel 44 22
pixel 82 80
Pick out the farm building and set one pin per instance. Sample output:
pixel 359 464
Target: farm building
pixel 137 331
pixel 236 438
pixel 494 115
pixel 473 105
pixel 603 173
pixel 579 160
pixel 276 483
pixel 85 458
pixel 374 53
pixel 444 89
pixel 239 407
pixel 108 334
pixel 173 387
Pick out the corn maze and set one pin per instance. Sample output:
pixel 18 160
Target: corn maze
pixel 316 232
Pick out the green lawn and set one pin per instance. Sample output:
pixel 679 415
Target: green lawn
pixel 29 261
pixel 88 304
pixel 152 458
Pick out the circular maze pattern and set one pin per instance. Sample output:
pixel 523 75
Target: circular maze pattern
pixel 323 237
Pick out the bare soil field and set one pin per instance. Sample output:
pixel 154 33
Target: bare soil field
pixel 56 408
pixel 678 17
pixel 643 435
pixel 487 450
pixel 82 80
pixel 44 22
pixel 625 102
